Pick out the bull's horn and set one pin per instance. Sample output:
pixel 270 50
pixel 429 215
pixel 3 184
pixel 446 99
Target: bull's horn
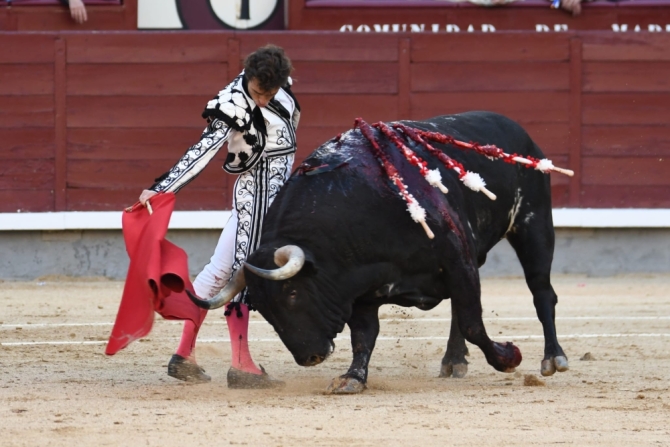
pixel 289 258
pixel 234 286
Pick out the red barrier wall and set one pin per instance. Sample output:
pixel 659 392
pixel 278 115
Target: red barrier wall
pixel 88 120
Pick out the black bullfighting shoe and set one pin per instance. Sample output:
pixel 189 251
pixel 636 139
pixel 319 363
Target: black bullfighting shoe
pixel 238 379
pixel 182 369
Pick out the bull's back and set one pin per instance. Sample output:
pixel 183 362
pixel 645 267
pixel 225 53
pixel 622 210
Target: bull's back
pixel 511 183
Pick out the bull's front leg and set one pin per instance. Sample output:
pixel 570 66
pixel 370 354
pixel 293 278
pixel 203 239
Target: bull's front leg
pixel 364 326
pixel 467 306
pixel 454 363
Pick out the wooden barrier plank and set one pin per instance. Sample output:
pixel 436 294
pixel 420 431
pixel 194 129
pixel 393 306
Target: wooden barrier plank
pixel 627 47
pixel 489 76
pixel 26 174
pixel 136 111
pixel 626 108
pixel 40 18
pixel 552 138
pixel 19 48
pixel 190 198
pixel 311 137
pixel 575 135
pixel 325 46
pixel 132 144
pixel 559 196
pixel 26 111
pixel 489 47
pixel 60 106
pixel 147 79
pixel 27 143
pixel 26 79
pixel 345 77
pixel 626 171
pixel 120 174
pixel 624 76
pixel 26 201
pixel 626 196
pixel 143 48
pixel 524 107
pixel 341 110
pixel 628 141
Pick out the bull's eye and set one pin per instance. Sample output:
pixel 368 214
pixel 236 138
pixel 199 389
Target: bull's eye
pixel 292 297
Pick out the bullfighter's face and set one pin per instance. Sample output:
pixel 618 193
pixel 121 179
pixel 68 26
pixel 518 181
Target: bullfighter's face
pixel 260 96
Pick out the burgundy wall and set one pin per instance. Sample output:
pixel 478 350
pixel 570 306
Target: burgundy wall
pixel 88 120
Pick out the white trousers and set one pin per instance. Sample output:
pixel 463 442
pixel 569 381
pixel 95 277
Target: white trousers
pixel 216 274
pixel 253 193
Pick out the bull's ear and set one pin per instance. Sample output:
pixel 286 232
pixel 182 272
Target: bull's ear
pixel 309 268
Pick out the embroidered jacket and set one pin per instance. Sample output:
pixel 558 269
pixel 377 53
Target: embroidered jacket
pixel 252 133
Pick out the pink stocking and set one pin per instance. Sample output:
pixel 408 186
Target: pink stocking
pixel 188 336
pixel 238 328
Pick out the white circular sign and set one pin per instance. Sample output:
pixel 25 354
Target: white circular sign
pixel 243 14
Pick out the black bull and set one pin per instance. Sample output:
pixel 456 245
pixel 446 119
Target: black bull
pixel 362 249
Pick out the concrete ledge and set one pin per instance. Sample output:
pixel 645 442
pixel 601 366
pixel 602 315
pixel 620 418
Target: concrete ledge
pixel 205 220
pixel 105 220
pixel 29 255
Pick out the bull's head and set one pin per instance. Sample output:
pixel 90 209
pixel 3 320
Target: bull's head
pixel 295 298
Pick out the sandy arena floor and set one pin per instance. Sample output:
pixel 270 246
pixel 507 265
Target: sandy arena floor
pixel 58 388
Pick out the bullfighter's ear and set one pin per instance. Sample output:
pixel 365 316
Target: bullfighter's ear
pixel 309 268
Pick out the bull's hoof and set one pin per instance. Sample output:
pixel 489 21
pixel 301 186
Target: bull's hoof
pixel 553 364
pixel 457 371
pixel 345 385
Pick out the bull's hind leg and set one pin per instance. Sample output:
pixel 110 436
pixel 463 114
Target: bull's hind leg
pixel 364 326
pixel 533 240
pixel 454 363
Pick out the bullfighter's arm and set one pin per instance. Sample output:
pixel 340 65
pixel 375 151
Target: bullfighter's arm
pixel 195 159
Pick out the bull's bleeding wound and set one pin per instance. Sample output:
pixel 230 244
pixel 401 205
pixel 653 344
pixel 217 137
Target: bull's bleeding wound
pixel 415 210
pixel 470 179
pixel 432 176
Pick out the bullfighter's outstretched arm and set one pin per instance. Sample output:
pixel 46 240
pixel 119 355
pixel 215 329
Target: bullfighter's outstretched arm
pixel 195 159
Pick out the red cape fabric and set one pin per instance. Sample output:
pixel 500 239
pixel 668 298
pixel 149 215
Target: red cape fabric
pixel 157 275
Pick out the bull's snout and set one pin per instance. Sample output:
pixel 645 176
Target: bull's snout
pixel 315 359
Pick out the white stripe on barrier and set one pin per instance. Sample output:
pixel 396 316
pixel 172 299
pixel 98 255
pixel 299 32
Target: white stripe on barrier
pixel 343 338
pixel 196 220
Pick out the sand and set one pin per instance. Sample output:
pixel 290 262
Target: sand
pixel 64 391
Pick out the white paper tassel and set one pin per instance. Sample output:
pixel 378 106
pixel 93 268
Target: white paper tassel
pixel 476 183
pixel 435 180
pixel 419 215
pixel 416 211
pixel 544 165
pixel 473 181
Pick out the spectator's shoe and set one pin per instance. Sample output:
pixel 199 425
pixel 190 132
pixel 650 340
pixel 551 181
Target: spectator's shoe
pixel 182 369
pixel 238 379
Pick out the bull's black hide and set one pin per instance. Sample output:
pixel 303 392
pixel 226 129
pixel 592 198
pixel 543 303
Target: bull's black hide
pixel 363 249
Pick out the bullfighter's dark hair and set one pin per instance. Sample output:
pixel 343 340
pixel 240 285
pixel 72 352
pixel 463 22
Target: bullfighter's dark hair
pixel 270 66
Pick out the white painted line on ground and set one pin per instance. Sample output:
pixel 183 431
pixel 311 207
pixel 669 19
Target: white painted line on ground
pixel 409 320
pixel 111 220
pixel 342 338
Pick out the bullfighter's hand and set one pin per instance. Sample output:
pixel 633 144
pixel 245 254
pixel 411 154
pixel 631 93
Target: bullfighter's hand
pixel 146 195
pixel 574 6
pixel 78 11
